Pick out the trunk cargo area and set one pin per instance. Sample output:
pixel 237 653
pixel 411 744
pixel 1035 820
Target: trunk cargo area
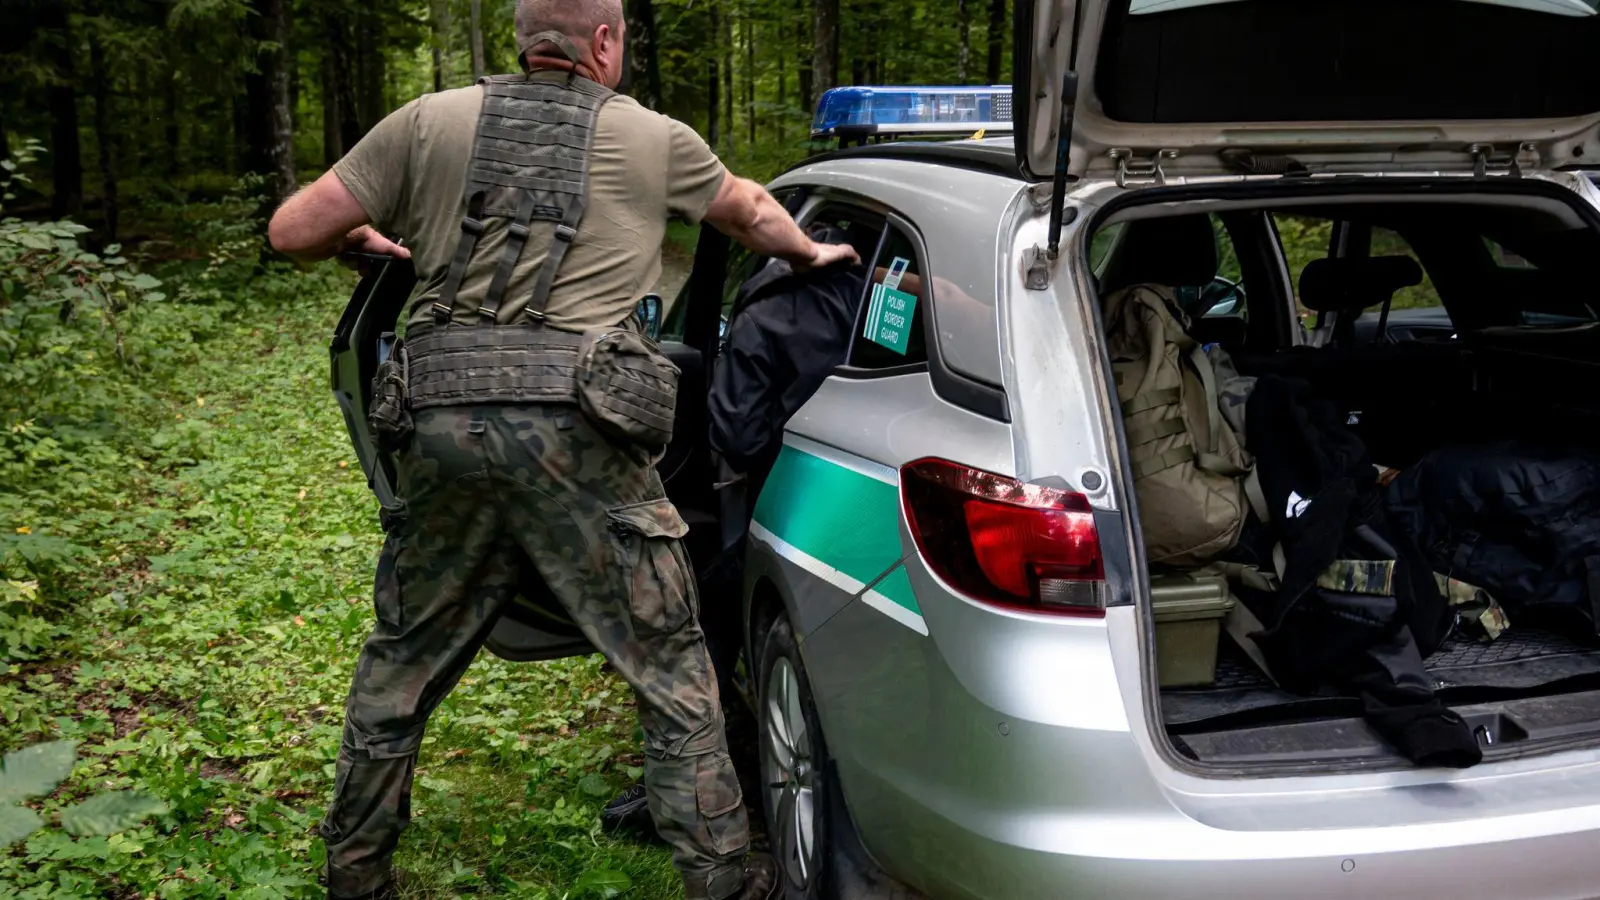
pixel 1521 363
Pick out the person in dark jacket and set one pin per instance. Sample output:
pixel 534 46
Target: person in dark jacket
pixel 788 333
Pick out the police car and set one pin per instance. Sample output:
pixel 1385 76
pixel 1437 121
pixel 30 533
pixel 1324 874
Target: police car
pixel 952 640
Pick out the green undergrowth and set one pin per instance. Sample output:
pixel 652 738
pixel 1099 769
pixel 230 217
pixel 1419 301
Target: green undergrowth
pixel 186 553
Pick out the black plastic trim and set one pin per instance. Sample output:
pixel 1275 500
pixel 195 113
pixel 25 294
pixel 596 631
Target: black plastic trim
pixel 858 373
pixel 1111 528
pixel 1022 18
pixel 968 393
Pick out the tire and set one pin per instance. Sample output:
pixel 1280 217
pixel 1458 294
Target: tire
pixel 796 772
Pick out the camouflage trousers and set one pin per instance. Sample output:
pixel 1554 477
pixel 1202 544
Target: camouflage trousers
pixel 494 494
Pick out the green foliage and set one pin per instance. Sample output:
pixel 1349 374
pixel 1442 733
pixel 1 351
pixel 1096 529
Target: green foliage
pixel 107 814
pixel 36 771
pixel 186 552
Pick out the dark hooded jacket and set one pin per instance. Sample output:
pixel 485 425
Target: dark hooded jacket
pixel 789 332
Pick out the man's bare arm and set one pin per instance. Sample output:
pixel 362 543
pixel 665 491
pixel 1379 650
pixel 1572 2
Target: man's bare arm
pixel 325 220
pixel 744 211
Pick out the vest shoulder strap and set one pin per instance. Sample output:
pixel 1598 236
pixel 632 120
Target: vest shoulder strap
pixel 530 163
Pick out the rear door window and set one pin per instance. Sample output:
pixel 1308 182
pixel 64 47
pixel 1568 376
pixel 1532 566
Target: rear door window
pixel 889 331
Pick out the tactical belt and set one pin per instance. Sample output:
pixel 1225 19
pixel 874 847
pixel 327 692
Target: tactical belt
pixel 504 364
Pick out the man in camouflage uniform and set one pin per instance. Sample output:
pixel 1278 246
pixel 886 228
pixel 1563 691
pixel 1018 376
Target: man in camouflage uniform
pixel 497 495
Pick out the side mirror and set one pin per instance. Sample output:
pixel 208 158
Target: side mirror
pixel 650 307
pixel 1221 297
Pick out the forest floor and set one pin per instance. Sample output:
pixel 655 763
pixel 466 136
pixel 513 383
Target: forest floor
pixel 229 596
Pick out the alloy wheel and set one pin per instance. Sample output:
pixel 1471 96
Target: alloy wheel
pixel 788 771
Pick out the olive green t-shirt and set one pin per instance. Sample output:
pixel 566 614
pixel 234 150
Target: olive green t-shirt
pixel 410 173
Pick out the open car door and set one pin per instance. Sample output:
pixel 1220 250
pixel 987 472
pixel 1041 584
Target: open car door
pixel 535 627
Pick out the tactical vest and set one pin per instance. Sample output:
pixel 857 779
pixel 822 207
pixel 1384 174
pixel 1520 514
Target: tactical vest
pixel 530 163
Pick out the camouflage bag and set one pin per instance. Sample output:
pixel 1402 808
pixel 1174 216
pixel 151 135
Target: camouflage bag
pixel 1189 464
pixel 627 387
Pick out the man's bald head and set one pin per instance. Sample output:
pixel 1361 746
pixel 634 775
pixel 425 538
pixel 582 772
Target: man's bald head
pixel 577 19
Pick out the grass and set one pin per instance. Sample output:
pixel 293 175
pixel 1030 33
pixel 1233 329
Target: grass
pixel 207 631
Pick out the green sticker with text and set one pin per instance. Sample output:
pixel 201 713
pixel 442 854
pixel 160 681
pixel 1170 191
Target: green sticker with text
pixel 889 317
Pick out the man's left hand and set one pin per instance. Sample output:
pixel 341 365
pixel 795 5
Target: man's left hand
pixel 367 240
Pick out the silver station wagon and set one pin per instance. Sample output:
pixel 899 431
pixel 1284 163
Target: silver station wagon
pixel 969 683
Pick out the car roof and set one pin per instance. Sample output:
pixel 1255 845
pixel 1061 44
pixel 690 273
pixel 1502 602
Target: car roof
pixel 992 155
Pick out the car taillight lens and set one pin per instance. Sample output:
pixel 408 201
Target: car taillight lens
pixel 1004 542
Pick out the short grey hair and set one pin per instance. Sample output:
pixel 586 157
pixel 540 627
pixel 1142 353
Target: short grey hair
pixel 577 19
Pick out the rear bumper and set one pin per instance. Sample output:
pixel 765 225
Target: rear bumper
pixel 1020 780
pixel 1158 864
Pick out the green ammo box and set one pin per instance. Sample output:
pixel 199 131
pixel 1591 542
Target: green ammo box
pixel 1189 610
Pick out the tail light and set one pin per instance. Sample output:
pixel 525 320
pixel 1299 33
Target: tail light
pixel 1003 542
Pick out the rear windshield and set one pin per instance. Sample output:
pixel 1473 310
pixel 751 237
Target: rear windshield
pixel 1553 7
pixel 1176 61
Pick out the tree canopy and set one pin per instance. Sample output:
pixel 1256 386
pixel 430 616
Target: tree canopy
pixel 135 96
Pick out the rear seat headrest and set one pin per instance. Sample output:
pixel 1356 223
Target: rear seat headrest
pixel 1177 251
pixel 1357 283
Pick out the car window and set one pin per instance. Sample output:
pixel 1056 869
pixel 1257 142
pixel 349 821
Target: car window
pixel 1504 258
pixel 1228 303
pixel 1536 292
pixel 889 331
pixel 1100 247
pixel 1421 296
pixel 1304 238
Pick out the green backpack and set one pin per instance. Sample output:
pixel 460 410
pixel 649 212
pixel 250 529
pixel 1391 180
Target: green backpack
pixel 1189 464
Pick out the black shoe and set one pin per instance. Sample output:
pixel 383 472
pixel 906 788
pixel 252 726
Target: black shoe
pixel 760 877
pixel 630 812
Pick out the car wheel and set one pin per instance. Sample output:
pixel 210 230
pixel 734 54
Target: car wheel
pixel 794 769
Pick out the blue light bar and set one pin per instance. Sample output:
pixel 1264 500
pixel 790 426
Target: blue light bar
pixel 912 110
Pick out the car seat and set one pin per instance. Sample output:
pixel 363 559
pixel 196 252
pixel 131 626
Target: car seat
pixel 1347 287
pixel 1179 252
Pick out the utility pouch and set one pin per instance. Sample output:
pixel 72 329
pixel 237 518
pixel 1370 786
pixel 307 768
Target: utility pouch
pixel 627 387
pixel 390 414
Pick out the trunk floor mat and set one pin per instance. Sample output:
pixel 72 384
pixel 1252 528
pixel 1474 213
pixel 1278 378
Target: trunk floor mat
pixel 1523 659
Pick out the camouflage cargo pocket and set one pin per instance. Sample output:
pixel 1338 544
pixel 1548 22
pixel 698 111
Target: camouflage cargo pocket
pixel 655 574
pixel 720 802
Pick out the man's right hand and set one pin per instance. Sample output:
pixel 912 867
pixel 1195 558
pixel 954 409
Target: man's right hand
pixel 825 255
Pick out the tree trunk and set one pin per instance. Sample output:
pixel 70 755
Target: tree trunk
pixel 371 78
pixel 104 138
pixel 642 53
pixel 804 75
pixel 783 80
pixel 727 54
pixel 825 50
pixel 5 140
pixel 478 70
pixel 964 25
pixel 270 123
pixel 66 149
pixel 997 38
pixel 441 42
pixel 750 73
pixel 172 130
pixel 341 82
pixel 332 140
pixel 714 84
